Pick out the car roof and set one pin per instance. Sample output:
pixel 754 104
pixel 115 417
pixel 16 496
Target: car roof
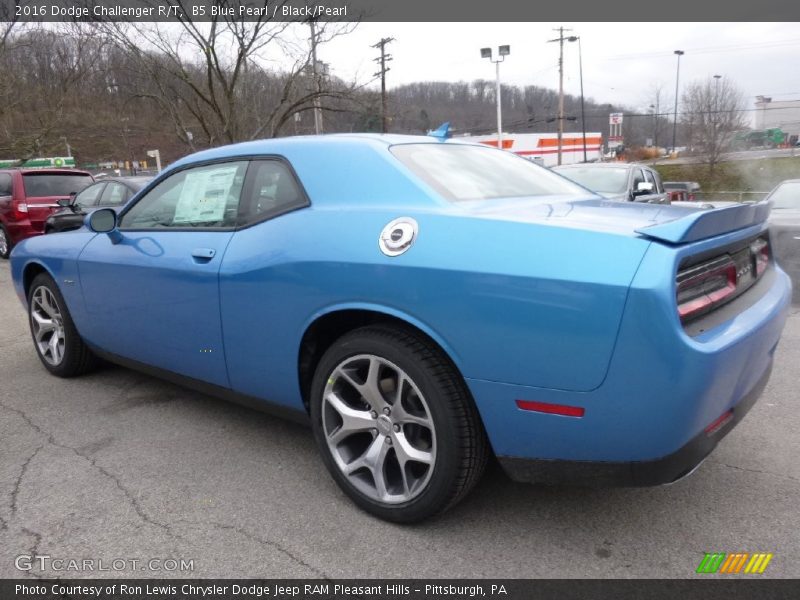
pixel 299 143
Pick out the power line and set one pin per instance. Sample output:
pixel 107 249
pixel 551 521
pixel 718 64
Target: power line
pixel 709 49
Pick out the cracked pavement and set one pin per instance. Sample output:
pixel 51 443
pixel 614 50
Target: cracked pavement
pixel 120 465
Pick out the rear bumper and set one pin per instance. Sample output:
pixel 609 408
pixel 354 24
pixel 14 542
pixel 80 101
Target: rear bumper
pixel 664 470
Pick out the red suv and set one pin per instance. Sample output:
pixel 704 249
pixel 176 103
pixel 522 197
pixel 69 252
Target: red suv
pixel 29 196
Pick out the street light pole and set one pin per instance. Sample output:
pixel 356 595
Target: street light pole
pixel 655 124
pixel 679 53
pixel 572 38
pixel 502 52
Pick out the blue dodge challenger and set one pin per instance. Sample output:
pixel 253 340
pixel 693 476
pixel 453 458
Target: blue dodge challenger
pixel 424 304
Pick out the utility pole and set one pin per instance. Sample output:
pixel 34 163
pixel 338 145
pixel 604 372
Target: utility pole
pixel 382 60
pixel 316 77
pixel 560 39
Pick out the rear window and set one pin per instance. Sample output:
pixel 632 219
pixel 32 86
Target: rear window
pixel 52 184
pixel 461 172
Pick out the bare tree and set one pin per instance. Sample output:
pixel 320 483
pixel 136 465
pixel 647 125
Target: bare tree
pixel 213 78
pixel 713 111
pixel 43 70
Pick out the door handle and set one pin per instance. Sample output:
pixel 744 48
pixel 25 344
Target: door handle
pixel 203 254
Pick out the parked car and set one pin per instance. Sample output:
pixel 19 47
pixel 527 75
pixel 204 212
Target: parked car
pixel 29 196
pixel 683 190
pixel 111 192
pixel 618 181
pixel 784 221
pixel 424 303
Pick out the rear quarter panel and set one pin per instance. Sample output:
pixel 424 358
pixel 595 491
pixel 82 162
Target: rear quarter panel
pixel 513 302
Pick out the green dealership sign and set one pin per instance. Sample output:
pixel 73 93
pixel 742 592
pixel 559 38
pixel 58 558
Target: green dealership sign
pixel 42 163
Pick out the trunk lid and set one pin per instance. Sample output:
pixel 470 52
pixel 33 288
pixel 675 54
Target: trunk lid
pixel 662 222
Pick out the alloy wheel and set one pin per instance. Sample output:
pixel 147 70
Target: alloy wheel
pixel 379 429
pixel 48 326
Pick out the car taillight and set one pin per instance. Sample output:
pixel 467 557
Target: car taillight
pixel 691 197
pixel 21 209
pixel 760 250
pixel 705 285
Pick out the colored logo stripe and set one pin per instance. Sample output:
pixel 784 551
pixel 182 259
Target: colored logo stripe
pixel 721 562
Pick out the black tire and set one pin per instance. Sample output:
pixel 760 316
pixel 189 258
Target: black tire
pixel 4 252
pixel 461 447
pixel 76 359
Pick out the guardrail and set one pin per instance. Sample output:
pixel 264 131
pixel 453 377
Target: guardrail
pixel 730 196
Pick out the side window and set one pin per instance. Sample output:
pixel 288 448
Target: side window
pixel 90 195
pixel 271 190
pixel 205 196
pixel 115 194
pixel 6 187
pixel 648 175
pixel 638 178
pixel 659 184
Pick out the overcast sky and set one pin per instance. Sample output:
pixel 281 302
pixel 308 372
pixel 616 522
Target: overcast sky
pixel 621 61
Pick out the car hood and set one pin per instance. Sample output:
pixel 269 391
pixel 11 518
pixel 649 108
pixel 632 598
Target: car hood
pixel 673 224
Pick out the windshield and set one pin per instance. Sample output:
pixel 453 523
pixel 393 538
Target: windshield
pixel 51 184
pixel 461 172
pixel 599 179
pixel 786 195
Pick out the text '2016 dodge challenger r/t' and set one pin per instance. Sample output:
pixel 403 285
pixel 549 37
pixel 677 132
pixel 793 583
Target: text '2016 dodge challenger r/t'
pixel 424 303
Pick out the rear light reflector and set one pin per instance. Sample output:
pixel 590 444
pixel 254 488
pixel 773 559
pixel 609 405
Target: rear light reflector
pixel 551 409
pixel 701 288
pixel 21 208
pixel 719 422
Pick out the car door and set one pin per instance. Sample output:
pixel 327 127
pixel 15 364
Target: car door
pixel 257 287
pixel 153 296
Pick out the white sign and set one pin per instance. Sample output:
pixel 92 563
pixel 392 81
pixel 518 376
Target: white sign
pixel 615 119
pixel 204 195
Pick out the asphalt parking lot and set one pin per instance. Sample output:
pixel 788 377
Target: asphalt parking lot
pixel 118 465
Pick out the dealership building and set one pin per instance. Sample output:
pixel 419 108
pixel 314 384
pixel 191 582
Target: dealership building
pixel 778 113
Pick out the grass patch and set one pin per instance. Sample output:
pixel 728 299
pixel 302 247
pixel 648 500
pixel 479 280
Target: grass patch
pixel 757 175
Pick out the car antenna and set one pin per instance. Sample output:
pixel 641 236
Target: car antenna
pixel 442 133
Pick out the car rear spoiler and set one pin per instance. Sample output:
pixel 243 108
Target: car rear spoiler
pixel 708 223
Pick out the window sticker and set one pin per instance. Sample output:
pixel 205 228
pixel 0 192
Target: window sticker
pixel 204 195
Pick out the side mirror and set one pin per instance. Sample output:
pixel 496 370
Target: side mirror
pixel 65 202
pixel 104 220
pixel 642 188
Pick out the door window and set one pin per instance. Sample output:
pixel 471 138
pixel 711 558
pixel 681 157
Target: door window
pixel 115 194
pixel 638 177
pixel 206 196
pixel 90 195
pixel 650 177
